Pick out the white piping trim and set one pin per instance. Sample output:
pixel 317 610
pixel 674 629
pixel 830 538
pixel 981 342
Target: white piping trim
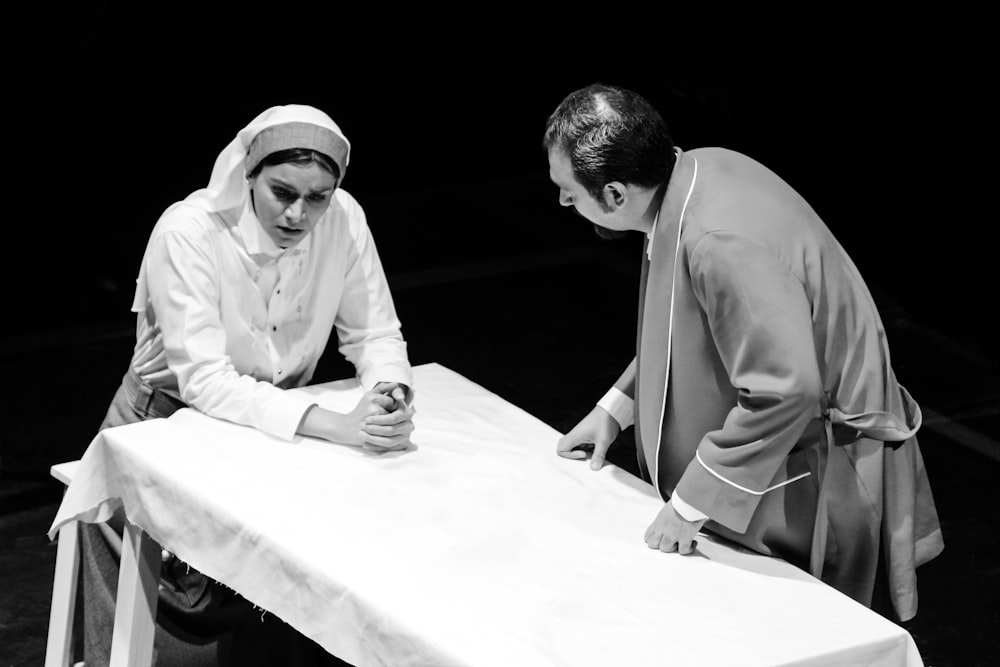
pixel 670 330
pixel 697 455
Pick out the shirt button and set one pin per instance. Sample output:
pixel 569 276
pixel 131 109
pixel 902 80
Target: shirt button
pixel 274 328
pixel 279 371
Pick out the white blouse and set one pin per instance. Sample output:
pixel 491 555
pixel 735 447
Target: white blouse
pixel 232 319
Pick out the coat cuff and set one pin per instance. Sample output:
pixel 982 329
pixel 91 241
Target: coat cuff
pixel 619 406
pixel 687 512
pixel 723 501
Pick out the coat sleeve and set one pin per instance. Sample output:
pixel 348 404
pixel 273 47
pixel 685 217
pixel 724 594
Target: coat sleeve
pixel 761 324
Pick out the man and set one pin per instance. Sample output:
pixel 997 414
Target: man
pixel 765 406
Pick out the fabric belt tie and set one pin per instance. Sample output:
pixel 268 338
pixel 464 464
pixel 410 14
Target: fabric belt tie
pixel 882 426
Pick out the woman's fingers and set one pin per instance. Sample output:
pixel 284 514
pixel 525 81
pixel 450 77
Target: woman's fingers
pixel 383 442
pixel 388 430
pixel 389 418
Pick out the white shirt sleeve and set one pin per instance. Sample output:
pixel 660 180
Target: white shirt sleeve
pixel 184 290
pixel 686 511
pixel 619 406
pixel 367 326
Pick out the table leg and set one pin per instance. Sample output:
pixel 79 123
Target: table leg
pixel 59 648
pixel 135 607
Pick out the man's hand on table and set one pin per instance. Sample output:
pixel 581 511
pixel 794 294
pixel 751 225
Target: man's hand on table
pixel 596 431
pixel 672 532
pixel 669 531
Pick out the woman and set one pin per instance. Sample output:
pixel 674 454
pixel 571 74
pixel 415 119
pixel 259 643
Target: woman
pixel 239 288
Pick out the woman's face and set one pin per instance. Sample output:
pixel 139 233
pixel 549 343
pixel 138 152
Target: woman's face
pixel 289 198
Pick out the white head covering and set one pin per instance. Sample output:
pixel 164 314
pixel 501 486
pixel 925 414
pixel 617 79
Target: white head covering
pixel 228 186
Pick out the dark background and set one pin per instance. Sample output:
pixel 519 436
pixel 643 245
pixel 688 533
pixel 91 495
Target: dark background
pixel 885 124
pixel 119 111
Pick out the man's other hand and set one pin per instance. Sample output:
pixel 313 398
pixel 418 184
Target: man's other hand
pixel 672 532
pixel 595 433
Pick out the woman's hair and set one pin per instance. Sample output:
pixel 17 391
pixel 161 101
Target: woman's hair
pixel 611 134
pixel 299 156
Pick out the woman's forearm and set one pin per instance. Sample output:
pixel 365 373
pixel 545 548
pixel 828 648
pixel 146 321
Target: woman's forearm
pixel 319 422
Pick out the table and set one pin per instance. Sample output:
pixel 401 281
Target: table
pixel 477 547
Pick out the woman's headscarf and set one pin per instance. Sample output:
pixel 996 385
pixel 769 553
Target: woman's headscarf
pixel 228 187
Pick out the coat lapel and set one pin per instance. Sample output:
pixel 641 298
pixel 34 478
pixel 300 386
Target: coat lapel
pixel 655 316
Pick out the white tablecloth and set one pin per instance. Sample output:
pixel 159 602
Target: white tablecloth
pixel 477 547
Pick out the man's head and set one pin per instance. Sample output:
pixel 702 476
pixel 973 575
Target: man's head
pixel 605 143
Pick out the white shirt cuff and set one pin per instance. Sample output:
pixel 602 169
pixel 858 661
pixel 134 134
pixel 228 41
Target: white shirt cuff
pixel 619 406
pixel 687 512
pixel 282 413
pixel 387 372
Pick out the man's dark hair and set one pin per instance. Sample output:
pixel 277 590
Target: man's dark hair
pixel 611 134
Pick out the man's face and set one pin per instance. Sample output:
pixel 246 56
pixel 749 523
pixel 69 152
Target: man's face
pixel 571 193
pixel 289 199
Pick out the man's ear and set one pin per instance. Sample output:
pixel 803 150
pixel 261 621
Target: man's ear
pixel 615 195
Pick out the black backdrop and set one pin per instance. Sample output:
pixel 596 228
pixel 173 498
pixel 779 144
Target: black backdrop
pixel 116 111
